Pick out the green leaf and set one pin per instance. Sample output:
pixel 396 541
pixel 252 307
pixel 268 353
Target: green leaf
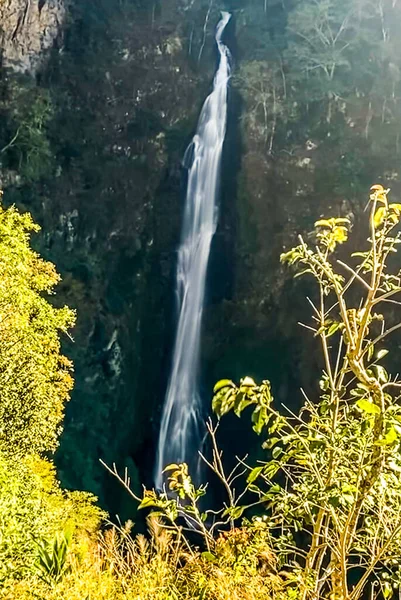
pixel 223 401
pixel 147 502
pixel 357 392
pixel 368 407
pixel 387 589
pixel 234 512
pixel 360 254
pixel 268 444
pixel 333 328
pixel 271 469
pixel 254 474
pixel 334 501
pixel 389 439
pixel 391 436
pixel 209 557
pixel 380 373
pixel 292 256
pixel 260 418
pixel 382 353
pixel 396 208
pixel 276 452
pixel 241 402
pixel 172 467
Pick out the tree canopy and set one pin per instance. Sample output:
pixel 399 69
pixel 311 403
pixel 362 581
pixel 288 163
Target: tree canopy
pixel 35 378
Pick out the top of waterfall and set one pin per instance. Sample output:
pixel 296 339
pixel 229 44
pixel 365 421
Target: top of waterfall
pixel 225 17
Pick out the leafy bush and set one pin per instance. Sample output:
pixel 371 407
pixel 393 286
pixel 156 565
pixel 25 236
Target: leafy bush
pixel 331 487
pixel 52 558
pixel 34 509
pixel 340 456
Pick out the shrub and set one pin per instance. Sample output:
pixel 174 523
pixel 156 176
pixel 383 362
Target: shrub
pixel 330 489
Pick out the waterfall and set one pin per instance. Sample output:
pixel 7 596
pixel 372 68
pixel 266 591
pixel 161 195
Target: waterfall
pixel 181 426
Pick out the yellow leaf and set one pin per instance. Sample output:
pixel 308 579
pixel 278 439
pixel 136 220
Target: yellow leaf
pixel 248 382
pixel 223 383
pixel 380 216
pixel 396 208
pixel 340 234
pixel 323 223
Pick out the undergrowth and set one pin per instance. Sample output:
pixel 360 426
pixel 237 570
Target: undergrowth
pixel 160 566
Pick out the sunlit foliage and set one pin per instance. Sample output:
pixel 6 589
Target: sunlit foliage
pixel 35 381
pixel 33 510
pixel 340 456
pixel 35 378
pixel 330 488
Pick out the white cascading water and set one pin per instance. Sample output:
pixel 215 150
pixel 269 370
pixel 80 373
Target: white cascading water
pixel 181 431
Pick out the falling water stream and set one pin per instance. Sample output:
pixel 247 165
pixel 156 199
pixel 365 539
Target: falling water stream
pixel 181 426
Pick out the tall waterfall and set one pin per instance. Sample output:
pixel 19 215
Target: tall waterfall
pixel 181 430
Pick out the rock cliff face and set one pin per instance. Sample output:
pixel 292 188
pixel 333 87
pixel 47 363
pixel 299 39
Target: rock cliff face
pixel 28 28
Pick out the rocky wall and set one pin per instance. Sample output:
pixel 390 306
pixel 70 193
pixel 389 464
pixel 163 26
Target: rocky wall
pixel 28 29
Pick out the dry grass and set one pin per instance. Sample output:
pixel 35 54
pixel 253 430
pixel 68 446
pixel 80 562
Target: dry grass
pixel 160 567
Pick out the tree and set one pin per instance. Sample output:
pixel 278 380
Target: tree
pixel 340 456
pixel 385 90
pixel 28 113
pixel 322 34
pixel 35 381
pixel 346 53
pixel 35 378
pixel 263 87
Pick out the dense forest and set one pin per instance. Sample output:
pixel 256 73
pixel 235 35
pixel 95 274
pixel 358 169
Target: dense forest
pixel 98 102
